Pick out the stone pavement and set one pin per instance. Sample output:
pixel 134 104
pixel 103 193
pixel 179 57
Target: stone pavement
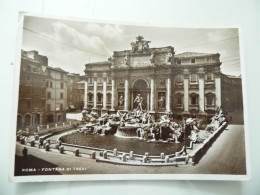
pixel 226 156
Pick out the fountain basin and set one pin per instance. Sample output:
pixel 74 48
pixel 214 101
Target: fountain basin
pixel 111 142
pixel 127 131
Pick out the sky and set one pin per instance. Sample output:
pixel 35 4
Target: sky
pixel 71 44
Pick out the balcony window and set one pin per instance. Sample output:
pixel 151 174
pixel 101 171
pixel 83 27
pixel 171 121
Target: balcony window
pixel 109 98
pixel 49 95
pixel 193 78
pixel 48 107
pixel 99 80
pixel 90 80
pixel 61 106
pixel 194 99
pixel 179 78
pixel 209 77
pixel 99 98
pixel 210 99
pixel 90 97
pixel 179 100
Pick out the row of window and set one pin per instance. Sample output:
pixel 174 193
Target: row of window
pixel 60 76
pixel 210 100
pixel 28 104
pixel 99 80
pixel 193 60
pixel 194 77
pixel 179 78
pixel 99 97
pixel 50 84
pixel 28 90
pixel 60 107
pixel 49 95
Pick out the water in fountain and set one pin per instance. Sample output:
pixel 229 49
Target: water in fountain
pixel 127 132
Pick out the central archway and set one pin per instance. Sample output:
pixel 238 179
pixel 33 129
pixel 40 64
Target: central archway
pixel 140 86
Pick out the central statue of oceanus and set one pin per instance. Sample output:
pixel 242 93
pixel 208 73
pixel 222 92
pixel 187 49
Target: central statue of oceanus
pixel 139 101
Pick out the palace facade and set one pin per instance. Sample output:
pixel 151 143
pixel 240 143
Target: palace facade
pixel 187 84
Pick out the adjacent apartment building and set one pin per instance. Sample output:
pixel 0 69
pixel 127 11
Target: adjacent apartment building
pixel 42 92
pixel 75 92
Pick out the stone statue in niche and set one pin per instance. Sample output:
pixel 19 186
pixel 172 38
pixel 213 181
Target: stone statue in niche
pixel 161 101
pixel 112 60
pixel 121 101
pixel 162 81
pixel 169 58
pixel 121 83
pixel 152 59
pixel 126 60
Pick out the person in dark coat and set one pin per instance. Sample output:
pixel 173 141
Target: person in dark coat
pixel 25 153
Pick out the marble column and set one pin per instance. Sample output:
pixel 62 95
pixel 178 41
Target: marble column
pixel 201 93
pixel 152 95
pixel 95 94
pixel 148 102
pixel 168 96
pixel 186 92
pixel 218 89
pixel 132 100
pixel 104 94
pixel 86 95
pixel 126 95
pixel 113 95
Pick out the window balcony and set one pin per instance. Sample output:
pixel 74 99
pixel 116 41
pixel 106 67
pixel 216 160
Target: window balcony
pixel 194 107
pixel 25 96
pixel 194 85
pixel 90 103
pixel 179 106
pixel 210 107
pixel 209 84
pixel 179 85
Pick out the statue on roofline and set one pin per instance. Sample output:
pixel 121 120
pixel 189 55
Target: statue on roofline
pixel 140 45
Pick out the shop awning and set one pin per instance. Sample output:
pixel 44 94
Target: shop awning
pixel 72 107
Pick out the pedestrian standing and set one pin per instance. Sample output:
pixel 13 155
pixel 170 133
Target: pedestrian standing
pixel 25 153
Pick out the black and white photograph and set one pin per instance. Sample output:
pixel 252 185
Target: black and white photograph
pixel 99 100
